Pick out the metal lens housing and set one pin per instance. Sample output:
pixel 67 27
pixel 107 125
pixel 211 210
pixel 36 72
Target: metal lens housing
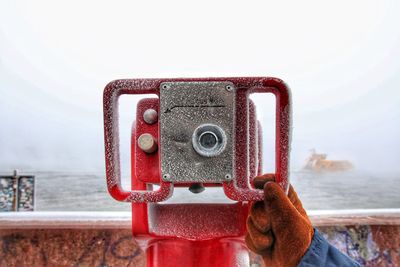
pixel 209 140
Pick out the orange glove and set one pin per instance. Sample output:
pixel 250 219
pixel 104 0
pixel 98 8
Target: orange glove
pixel 278 228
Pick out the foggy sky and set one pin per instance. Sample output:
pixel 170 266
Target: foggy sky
pixel 341 60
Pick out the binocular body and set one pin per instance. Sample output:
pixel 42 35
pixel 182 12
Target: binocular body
pixel 198 133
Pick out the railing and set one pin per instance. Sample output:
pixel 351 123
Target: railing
pixel 122 220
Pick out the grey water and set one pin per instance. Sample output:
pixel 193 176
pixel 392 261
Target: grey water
pixel 67 191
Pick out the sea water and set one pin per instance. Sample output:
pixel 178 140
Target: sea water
pixel 67 191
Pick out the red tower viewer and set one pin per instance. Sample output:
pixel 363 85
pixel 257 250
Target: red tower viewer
pixel 197 133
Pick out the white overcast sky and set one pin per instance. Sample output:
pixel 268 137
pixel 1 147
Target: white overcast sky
pixel 340 58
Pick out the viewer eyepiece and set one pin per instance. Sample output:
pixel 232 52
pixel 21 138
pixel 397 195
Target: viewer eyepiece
pixel 209 140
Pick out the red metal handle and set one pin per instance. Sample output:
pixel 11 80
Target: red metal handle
pixel 111 139
pixel 240 189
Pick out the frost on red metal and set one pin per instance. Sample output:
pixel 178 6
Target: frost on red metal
pixel 239 189
pixel 111 140
pixel 195 234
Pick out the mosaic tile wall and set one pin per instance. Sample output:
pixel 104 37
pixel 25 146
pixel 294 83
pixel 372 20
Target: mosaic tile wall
pixel 369 245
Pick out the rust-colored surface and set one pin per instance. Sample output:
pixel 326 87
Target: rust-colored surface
pixel 377 245
pixel 67 247
pixel 371 237
pixel 388 241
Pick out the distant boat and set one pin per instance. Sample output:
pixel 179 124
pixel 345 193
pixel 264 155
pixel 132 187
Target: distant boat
pixel 318 162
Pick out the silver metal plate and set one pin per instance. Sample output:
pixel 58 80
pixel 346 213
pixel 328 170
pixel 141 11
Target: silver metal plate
pixel 184 106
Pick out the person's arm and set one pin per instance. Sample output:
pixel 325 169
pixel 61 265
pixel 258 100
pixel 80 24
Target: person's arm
pixel 280 231
pixel 321 253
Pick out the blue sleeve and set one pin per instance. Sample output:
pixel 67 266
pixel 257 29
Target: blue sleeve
pixel 322 254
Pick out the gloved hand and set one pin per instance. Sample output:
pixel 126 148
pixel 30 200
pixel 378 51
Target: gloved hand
pixel 278 228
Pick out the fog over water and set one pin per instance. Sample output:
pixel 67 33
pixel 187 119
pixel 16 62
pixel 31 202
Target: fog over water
pixel 322 191
pixel 56 58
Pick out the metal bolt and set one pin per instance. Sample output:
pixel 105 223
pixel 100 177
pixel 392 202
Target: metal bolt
pixel 166 176
pixel 228 176
pixel 229 88
pixel 150 116
pixel 196 188
pixel 147 143
pixel 165 86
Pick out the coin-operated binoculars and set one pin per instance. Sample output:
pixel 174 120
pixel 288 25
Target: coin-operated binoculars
pixel 198 133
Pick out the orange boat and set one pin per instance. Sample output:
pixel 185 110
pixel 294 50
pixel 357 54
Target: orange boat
pixel 318 162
